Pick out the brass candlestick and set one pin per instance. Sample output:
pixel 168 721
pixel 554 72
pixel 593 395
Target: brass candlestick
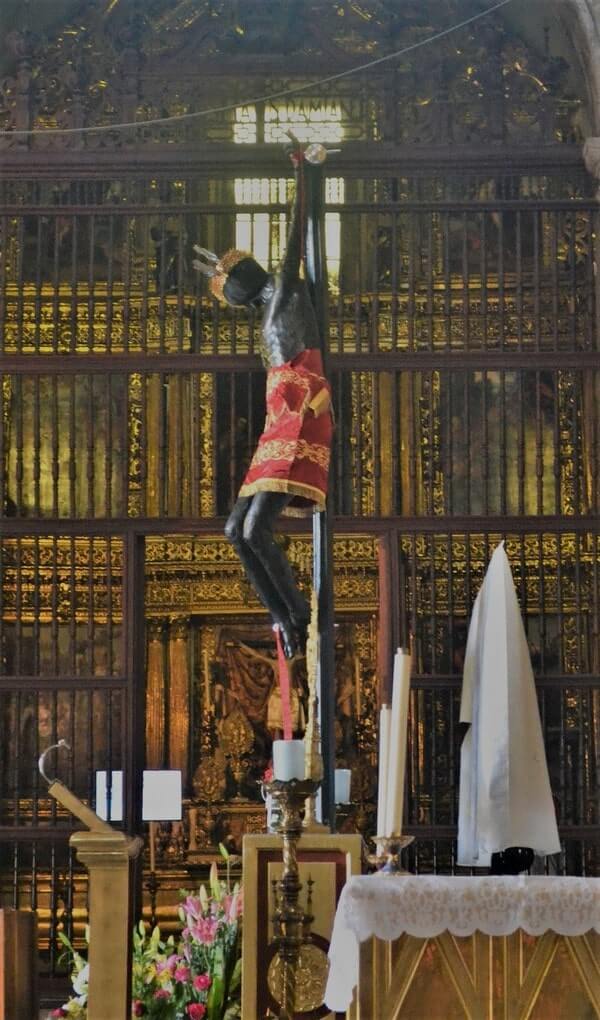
pixel 289 919
pixel 387 860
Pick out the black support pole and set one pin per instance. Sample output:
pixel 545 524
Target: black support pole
pixel 316 272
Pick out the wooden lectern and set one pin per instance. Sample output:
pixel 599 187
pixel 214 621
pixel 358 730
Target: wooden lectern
pixel 107 855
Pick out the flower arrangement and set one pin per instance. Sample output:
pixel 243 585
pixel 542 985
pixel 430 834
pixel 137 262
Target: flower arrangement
pixel 194 977
pixel 76 1007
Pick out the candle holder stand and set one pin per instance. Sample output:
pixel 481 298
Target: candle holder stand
pixel 387 858
pixel 289 920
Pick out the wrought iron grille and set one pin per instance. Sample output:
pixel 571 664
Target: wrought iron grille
pixel 465 375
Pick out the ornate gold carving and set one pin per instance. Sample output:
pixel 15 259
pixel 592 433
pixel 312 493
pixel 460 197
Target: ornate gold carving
pixel 237 740
pixel 49 320
pixel 133 320
pixel 311 977
pixel 209 781
pixel 203 575
pixel 178 448
pixel 155 695
pixel 569 411
pixel 5 401
pixel 361 443
pixel 313 762
pixel 179 697
pixel 43 570
pixel 448 567
pixel 206 402
pixel 154 445
pixel 135 400
pixel 431 473
pixel 90 74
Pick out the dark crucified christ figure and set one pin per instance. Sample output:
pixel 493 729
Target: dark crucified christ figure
pixel 288 473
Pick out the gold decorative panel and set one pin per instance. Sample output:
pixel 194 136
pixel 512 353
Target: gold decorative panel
pixel 203 575
pixel 516 977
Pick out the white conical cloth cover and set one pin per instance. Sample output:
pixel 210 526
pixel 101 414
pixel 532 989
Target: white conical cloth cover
pixel 505 797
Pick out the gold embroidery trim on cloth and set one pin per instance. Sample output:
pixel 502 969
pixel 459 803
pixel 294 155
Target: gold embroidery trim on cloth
pixel 290 450
pixel 293 488
pixel 279 376
pixel 286 412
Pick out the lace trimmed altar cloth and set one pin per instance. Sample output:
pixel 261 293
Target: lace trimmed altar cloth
pixel 426 905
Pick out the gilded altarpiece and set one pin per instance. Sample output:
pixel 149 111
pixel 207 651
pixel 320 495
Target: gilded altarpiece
pixel 494 259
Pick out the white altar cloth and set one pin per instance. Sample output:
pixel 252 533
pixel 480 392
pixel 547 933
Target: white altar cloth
pixel 426 905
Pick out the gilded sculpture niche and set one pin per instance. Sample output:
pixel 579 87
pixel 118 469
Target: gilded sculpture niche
pixel 221 724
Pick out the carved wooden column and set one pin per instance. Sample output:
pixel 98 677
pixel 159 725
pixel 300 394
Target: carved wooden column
pixel 155 695
pixel 179 697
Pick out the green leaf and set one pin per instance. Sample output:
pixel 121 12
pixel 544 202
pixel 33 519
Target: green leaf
pixel 224 852
pixel 215 882
pixel 216 994
pixel 236 976
pixel 233 1012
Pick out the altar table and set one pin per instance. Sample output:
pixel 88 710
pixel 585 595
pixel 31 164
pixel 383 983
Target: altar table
pixel 485 948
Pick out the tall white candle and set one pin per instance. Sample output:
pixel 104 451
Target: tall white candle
pixel 288 759
pixel 384 757
pixel 397 754
pixel 342 781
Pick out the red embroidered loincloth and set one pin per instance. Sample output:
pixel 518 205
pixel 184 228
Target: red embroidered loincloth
pixel 294 449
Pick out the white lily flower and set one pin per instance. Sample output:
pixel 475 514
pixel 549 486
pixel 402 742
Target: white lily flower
pixel 81 980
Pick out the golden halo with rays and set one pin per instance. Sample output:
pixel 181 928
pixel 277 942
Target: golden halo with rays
pixel 224 267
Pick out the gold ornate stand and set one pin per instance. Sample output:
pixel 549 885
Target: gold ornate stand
pixel 387 858
pixel 289 919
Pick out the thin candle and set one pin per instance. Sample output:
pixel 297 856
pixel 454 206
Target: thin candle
pixel 357 687
pixel 152 839
pixel 397 754
pixel 384 757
